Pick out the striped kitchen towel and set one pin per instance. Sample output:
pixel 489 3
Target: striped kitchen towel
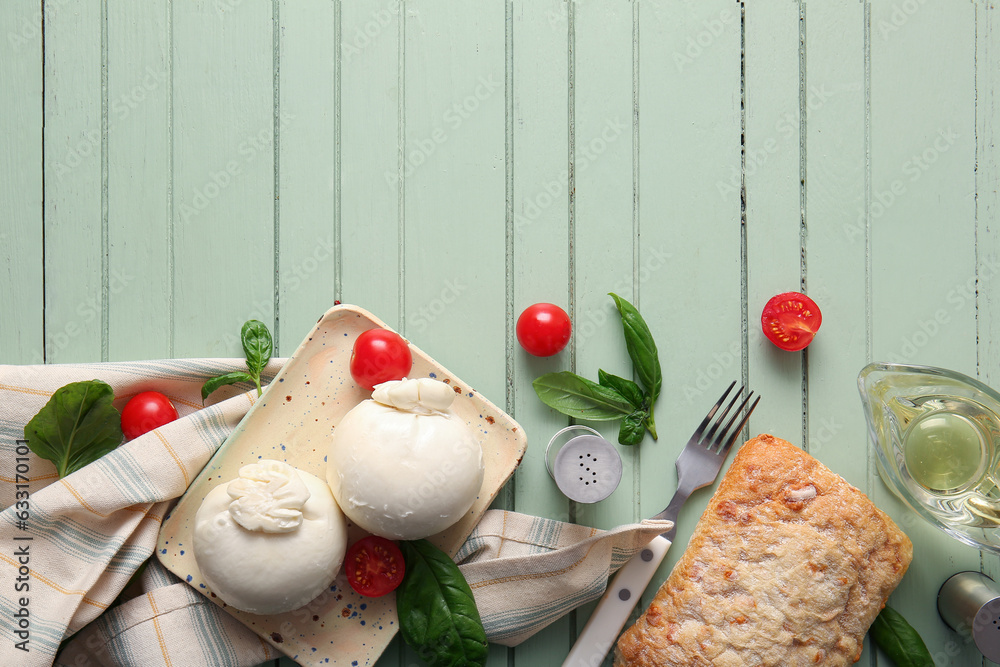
pixel 526 571
pixel 70 546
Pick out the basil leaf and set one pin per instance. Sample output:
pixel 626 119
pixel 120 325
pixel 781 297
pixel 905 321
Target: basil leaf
pixel 899 640
pixel 438 617
pixel 630 390
pixel 641 347
pixel 257 345
pixel 579 397
pixel 223 380
pixel 632 428
pixel 77 426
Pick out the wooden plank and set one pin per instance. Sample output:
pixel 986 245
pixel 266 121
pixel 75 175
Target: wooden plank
pixel 306 174
pixel 987 206
pixel 921 201
pixel 774 111
pixel 540 257
pixel 366 201
pixel 603 221
pixel 987 196
pixel 223 173
pixel 836 243
pixel 371 146
pixel 690 276
pixel 455 190
pixel 140 252
pixel 370 189
pixel 308 170
pixel 602 164
pixel 76 275
pixel 454 184
pixel 21 251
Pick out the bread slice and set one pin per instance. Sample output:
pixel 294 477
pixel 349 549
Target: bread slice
pixel 789 565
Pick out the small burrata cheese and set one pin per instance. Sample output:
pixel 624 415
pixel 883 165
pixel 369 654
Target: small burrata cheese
pixel 402 464
pixel 270 540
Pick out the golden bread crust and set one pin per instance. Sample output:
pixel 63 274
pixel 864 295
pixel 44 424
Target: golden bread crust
pixel 788 566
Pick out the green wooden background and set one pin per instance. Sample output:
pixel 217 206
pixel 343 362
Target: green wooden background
pixel 171 168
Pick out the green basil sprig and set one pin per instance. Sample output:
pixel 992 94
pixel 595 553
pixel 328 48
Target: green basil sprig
pixel 628 389
pixel 613 397
pixel 581 398
pixel 899 640
pixel 77 426
pixel 641 347
pixel 257 346
pixel 438 617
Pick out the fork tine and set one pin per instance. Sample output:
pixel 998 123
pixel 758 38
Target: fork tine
pixel 731 437
pixel 711 413
pixel 722 417
pixel 725 433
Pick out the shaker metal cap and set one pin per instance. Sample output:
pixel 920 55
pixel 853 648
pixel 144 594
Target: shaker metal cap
pixel 969 602
pixel 586 467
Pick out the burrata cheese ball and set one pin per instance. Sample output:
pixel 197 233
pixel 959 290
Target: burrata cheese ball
pixel 403 464
pixel 270 540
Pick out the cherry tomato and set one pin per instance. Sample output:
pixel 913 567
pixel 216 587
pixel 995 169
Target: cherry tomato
pixel 379 355
pixel 543 329
pixel 791 320
pixel 374 566
pixel 145 411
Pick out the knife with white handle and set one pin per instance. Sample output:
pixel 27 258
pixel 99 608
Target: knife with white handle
pixel 613 610
pixel 698 465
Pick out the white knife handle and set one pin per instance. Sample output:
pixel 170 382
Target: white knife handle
pixel 608 619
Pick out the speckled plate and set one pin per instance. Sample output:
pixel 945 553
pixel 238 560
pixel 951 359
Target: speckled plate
pixel 292 422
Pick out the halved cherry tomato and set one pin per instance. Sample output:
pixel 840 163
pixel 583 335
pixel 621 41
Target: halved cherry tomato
pixel 379 355
pixel 543 329
pixel 374 566
pixel 145 411
pixel 791 320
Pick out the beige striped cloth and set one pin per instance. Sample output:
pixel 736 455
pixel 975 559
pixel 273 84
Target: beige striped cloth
pixel 70 546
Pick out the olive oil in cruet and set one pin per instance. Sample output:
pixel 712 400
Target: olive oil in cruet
pixel 945 451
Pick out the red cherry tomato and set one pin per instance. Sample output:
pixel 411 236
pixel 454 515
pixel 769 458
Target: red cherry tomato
pixel 791 320
pixel 374 566
pixel 145 411
pixel 543 329
pixel 379 355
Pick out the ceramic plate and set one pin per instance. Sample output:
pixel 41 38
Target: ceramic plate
pixel 292 422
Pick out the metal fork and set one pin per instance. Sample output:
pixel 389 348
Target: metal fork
pixel 697 465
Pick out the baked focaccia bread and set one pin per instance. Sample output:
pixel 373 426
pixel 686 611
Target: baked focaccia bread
pixel 789 565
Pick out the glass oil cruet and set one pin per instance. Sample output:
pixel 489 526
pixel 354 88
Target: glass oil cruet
pixel 935 434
